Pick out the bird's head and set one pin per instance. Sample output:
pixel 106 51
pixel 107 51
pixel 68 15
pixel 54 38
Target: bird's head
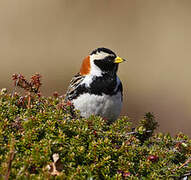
pixel 100 61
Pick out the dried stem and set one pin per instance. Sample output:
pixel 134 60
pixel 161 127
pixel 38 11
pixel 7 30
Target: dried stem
pixel 29 101
pixel 10 159
pixel 188 160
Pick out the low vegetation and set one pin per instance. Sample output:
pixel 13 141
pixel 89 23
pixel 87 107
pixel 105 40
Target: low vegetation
pixel 44 138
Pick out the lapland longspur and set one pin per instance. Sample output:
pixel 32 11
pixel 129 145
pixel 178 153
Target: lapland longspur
pixel 97 89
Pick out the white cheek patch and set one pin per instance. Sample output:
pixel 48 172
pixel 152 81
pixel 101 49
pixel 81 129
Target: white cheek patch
pixel 87 80
pixel 94 70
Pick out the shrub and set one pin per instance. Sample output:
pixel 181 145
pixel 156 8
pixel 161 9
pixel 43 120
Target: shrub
pixel 44 138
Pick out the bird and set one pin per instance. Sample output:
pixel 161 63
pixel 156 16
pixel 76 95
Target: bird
pixel 96 89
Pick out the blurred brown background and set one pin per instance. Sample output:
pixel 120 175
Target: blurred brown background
pixel 53 36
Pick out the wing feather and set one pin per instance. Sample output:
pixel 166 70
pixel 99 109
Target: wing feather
pixel 74 83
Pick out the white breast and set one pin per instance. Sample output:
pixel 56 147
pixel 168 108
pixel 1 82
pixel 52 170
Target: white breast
pixel 105 106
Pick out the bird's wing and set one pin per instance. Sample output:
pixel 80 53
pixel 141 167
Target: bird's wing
pixel 74 83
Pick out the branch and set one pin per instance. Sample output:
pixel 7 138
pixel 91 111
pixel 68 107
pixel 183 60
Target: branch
pixel 10 160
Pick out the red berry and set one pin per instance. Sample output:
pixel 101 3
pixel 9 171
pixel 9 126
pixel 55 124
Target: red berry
pixel 125 174
pixel 55 94
pixel 153 158
pixel 95 133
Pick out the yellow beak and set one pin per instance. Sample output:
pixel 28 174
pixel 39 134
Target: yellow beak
pixel 119 60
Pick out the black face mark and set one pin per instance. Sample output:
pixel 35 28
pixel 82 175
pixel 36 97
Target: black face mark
pixel 105 84
pixel 107 64
pixel 105 50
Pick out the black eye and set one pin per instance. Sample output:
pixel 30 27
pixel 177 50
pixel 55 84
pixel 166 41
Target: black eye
pixel 109 59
